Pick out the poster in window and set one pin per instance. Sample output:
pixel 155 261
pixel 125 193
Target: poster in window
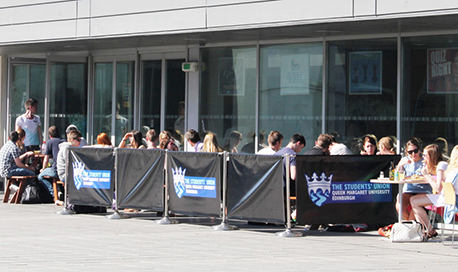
pixel 295 74
pixel 442 71
pixel 365 72
pixel 231 76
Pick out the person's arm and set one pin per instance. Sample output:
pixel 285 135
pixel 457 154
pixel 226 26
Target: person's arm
pixel 40 137
pixel 45 162
pixel 21 165
pixel 292 173
pixel 25 155
pixel 122 144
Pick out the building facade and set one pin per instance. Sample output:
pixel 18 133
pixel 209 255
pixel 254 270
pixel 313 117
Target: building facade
pixel 353 67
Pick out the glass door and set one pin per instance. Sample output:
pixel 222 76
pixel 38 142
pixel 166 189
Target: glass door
pixel 162 97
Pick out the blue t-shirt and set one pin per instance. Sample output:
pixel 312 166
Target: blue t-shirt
pixel 415 188
pixel 292 159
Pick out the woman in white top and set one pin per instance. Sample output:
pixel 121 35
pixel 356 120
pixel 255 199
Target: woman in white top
pixel 433 172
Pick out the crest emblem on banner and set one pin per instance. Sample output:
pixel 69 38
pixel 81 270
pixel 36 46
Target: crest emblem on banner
pixel 78 168
pixel 319 188
pixel 178 181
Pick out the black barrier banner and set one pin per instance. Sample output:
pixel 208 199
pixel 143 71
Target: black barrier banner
pixel 90 176
pixel 140 178
pixel 336 189
pixel 194 183
pixel 255 188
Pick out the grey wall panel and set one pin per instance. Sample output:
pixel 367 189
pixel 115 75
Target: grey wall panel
pixel 230 2
pixel 37 31
pixel 149 22
pixel 396 6
pixel 15 3
pixel 113 7
pixel 278 11
pixel 38 13
pixel 364 7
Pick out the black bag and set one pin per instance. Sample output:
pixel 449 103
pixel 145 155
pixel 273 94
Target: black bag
pixel 88 209
pixel 35 193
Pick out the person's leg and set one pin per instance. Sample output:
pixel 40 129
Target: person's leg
pixel 418 202
pixel 47 183
pixel 21 172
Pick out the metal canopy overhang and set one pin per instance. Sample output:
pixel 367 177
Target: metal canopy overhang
pixel 341 29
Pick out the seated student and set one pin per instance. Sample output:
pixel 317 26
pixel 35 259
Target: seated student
pixel 369 145
pixel 10 161
pixel 435 172
pixel 135 138
pixel 233 141
pixel 151 139
pixel 73 127
pixel 338 148
pixel 322 145
pixel 74 140
pixel 249 147
pixel 386 146
pixel 103 141
pixel 275 140
pixel 166 141
pixel 52 150
pixel 211 143
pixel 193 138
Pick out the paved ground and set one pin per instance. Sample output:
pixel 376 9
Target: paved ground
pixel 35 238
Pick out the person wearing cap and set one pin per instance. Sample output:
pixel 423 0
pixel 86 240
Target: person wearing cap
pixel 72 128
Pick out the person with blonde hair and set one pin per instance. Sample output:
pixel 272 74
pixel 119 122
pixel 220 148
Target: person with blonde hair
pixel 435 171
pixel 386 146
pixel 166 141
pixel 211 144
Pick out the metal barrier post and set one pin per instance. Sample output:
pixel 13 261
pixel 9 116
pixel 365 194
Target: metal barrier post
pixel 288 232
pixel 224 225
pixel 116 214
pixel 166 220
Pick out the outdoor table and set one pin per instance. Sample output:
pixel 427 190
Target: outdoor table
pixel 401 185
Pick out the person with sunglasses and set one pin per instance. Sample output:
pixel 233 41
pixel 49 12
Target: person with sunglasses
pixel 412 165
pixel 74 138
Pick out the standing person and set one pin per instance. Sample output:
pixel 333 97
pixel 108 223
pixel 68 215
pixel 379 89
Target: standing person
pixel 412 165
pixel 135 138
pixel 10 161
pixel 73 139
pixel 151 139
pixel 73 127
pixel 322 146
pixel 31 124
pixel 193 138
pixel 295 145
pixel 51 151
pixel 369 145
pixel 275 140
pixel 434 172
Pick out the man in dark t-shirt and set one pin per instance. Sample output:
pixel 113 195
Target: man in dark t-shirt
pixel 51 151
pixel 322 146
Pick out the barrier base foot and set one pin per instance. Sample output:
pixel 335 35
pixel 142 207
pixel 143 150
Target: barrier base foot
pixel 166 221
pixel 289 233
pixel 224 226
pixel 65 211
pixel 116 215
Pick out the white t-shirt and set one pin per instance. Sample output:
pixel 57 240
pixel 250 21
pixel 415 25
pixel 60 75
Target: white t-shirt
pixel 266 151
pixel 30 126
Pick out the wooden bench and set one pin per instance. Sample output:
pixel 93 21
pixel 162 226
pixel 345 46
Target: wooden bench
pixel 55 183
pixel 22 180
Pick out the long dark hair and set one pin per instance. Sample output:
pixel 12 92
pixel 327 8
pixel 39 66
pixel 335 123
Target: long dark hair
pixel 14 136
pixel 137 135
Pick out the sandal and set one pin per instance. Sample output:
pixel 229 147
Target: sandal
pixel 432 234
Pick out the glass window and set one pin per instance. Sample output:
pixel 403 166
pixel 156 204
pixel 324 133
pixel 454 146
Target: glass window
pixel 124 115
pixel 228 92
pixel 103 89
pixel 291 90
pixel 150 117
pixel 28 81
pixel 68 96
pixel 430 89
pixel 361 89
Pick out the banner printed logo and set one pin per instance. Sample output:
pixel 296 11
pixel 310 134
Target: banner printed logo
pixel 96 179
pixel 78 168
pixel 178 181
pixel 319 188
pixel 193 186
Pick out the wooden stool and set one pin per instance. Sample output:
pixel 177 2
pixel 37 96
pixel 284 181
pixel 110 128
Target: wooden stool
pixel 55 182
pixel 22 180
